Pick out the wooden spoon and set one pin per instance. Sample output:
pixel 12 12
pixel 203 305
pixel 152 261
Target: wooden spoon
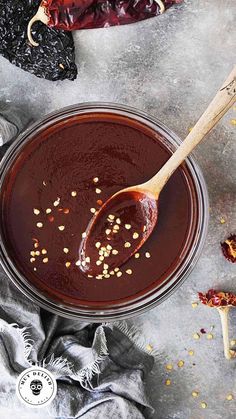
pixel 137 206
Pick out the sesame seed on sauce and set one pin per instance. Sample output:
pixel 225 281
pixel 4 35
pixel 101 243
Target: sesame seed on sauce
pixel 108 231
pixel 135 235
pixel 61 228
pixel 65 250
pixel 39 225
pixel 32 253
pixel 73 193
pixel 36 211
pixel 57 202
pixel 129 271
pixel 98 262
pixel 44 183
pixel 37 253
pixel 78 263
pixel 45 260
pixel 44 252
pixel 127 244
pixel 114 252
pixel 92 210
pixel 98 191
pixel 97 245
pixel 95 180
pixel 137 255
pixel 36 245
pixel 127 226
pixel 116 227
pixel 147 254
pixel 67 264
pixel 118 221
pixel 32 260
pixel 84 234
pixel 119 274
pixel 111 217
pixel 48 210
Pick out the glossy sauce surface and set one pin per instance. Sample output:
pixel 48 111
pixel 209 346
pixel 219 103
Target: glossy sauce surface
pixel 65 174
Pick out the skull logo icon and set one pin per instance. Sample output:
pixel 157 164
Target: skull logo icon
pixel 36 386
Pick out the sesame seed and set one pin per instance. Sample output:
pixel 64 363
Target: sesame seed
pixel 116 227
pixel 57 202
pixel 129 271
pixel 45 260
pixel 168 382
pixel 191 353
pixel 39 225
pixel 84 234
pixel 95 179
pixel 135 235
pixel 97 190
pixel 109 247
pixel 83 263
pixel 111 217
pixel 101 252
pixel 37 253
pixel 101 258
pixel 203 405
pixel 118 221
pixel 99 277
pixel 229 397
pixel 65 250
pixel 73 193
pixel 44 252
pixel 127 226
pixel 127 244
pixel 119 273
pixel 149 347
pixel 92 210
pixel 195 393
pixel 87 259
pixel 115 252
pixel 106 254
pixel 48 210
pixel 169 367
pixel 78 263
pixel 180 364
pixel 32 253
pixel 112 273
pixel 44 183
pixel 147 254
pixel 116 269
pixel 105 271
pixel 67 264
pixel 90 276
pixel 36 211
pixel 105 266
pixel 35 269
pixel 107 231
pixel 103 248
pixel 36 245
pixel 136 255
pixel 194 305
pixel 98 262
pixel 32 260
pixel 209 336
pixel 107 276
pixel 61 228
pixel 98 244
pixel 196 336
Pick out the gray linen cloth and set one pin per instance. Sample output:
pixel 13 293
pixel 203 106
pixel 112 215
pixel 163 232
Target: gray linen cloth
pixel 100 370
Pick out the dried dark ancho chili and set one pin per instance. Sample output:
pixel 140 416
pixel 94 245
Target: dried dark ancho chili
pixel 79 14
pixel 54 59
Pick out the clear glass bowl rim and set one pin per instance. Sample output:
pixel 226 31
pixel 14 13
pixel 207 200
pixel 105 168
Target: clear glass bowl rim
pixel 161 294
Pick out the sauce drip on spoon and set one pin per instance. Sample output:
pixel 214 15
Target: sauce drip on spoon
pixel 116 232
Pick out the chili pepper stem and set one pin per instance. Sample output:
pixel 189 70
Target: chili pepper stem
pixel 223 312
pixel 161 5
pixel 40 16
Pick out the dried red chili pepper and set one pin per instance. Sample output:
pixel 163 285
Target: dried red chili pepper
pixel 86 14
pixel 229 248
pixel 213 298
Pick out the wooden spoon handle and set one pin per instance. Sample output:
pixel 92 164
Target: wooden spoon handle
pixel 223 100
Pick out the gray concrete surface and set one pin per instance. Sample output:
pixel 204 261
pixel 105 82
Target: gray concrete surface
pixel 169 66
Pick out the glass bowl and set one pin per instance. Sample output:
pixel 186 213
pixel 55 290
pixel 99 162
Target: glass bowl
pixel 188 260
